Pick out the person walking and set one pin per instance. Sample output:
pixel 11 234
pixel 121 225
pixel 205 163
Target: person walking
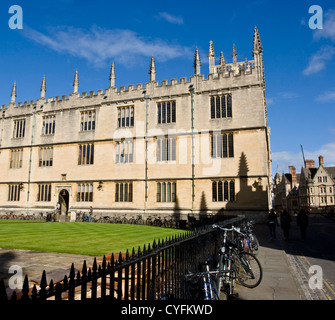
pixel 272 223
pixel 90 214
pixel 302 221
pixel 285 223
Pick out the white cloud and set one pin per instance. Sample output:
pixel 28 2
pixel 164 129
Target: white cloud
pixel 171 18
pixel 328 96
pixel 99 45
pixel 281 160
pixel 328 31
pixel 319 59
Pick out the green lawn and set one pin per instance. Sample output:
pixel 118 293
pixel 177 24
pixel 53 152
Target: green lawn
pixel 95 239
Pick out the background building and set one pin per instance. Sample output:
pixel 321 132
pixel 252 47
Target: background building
pixel 197 146
pixel 312 190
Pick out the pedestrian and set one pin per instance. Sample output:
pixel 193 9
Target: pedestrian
pixel 285 223
pixel 302 221
pixel 90 214
pixel 272 223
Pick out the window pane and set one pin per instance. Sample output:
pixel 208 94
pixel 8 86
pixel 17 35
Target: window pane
pixel 220 195
pixel 218 146
pixel 91 193
pixel 231 145
pixel 218 113
pixel 232 190
pixel 225 191
pixel 158 150
pixel 214 191
pixel 173 148
pixel 92 154
pixel 132 116
pixel 224 146
pixel 223 106
pixel 168 112
pixel 173 113
pixel 163 192
pixel 159 116
pixel 168 192
pixel 158 192
pixel 117 192
pixel 163 112
pixel 130 151
pixel 125 198
pixel 121 192
pixel 127 117
pixel 173 192
pixel 229 106
pixel 212 108
pixel 130 197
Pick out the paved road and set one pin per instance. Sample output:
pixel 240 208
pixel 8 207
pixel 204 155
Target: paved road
pixel 318 251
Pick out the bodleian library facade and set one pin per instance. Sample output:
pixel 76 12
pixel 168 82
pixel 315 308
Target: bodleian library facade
pixel 187 147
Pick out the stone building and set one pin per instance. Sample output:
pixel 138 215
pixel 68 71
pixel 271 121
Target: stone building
pixel 286 191
pixel 312 189
pixel 317 184
pixel 197 146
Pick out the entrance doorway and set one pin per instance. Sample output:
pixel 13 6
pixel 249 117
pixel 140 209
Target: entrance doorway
pixel 63 200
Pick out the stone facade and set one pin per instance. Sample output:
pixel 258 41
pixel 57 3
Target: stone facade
pixel 181 147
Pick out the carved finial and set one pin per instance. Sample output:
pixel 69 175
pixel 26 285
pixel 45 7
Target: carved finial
pixel 211 49
pixel 76 82
pixel 234 54
pixel 13 94
pixel 257 48
pixel 152 70
pixel 197 62
pixel 211 57
pixel 43 88
pixel 112 77
pixel 222 62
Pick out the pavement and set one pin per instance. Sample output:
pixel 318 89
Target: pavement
pixel 285 275
pixel 285 270
pixel 280 281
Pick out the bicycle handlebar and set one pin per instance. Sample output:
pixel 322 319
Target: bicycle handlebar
pixel 238 230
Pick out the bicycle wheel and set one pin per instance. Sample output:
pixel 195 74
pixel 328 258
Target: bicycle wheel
pixel 254 244
pixel 248 269
pixel 225 280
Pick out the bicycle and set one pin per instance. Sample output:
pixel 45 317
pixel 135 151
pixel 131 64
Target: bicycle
pixel 238 264
pixel 251 239
pixel 207 288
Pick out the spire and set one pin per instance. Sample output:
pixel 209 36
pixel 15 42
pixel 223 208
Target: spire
pixel 211 49
pixel 76 82
pixel 234 54
pixel 43 88
pixel 257 53
pixel 211 57
pixel 222 62
pixel 112 77
pixel 152 70
pixel 196 63
pixel 257 49
pixel 13 94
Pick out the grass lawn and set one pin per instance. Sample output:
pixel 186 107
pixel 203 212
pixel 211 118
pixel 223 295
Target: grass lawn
pixel 95 239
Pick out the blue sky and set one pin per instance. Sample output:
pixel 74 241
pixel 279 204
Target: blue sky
pixel 61 36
